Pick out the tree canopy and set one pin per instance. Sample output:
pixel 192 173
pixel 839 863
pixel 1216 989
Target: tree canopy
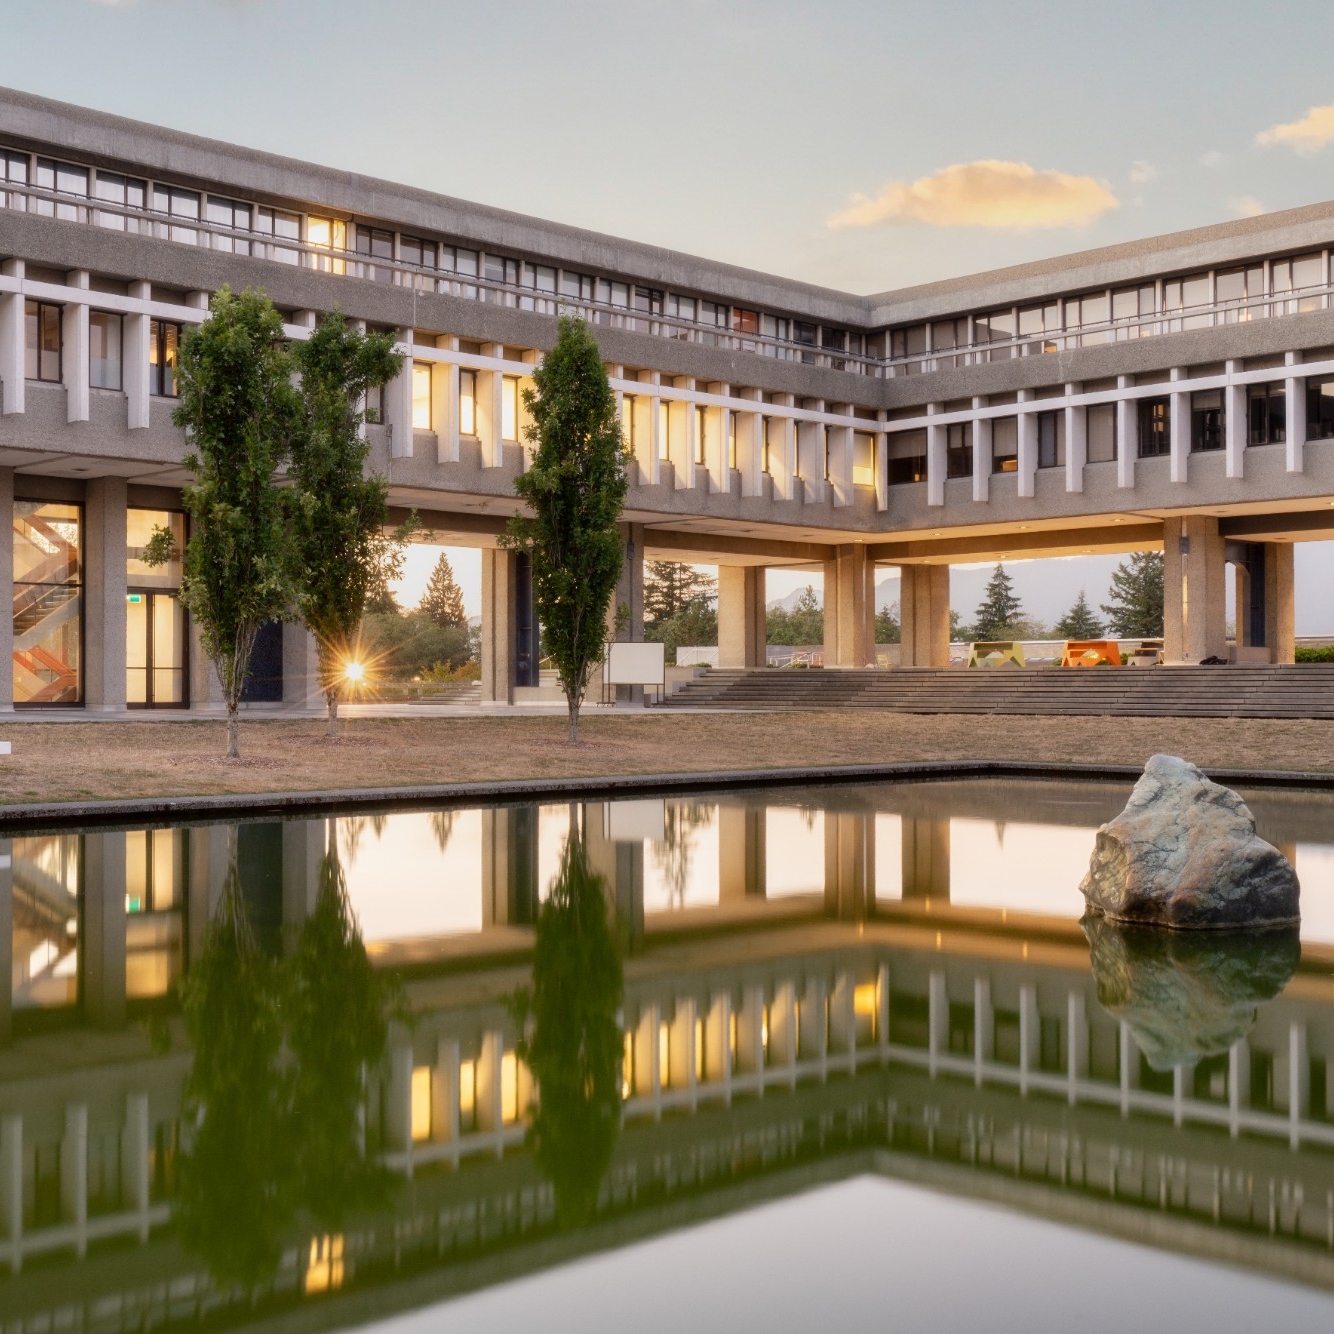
pixel 1000 611
pixel 670 587
pixel 803 625
pixel 443 600
pixel 1135 602
pixel 1079 622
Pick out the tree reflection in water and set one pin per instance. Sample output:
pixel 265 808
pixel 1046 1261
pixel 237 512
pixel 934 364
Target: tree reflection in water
pixel 573 1043
pixel 275 1089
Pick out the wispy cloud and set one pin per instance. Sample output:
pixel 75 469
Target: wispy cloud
pixel 1246 206
pixel 1141 173
pixel 1213 158
pixel 1308 135
pixel 983 194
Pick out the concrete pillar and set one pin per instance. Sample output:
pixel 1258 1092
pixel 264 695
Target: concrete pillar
pixel 849 864
pixel 718 1043
pixel 398 1095
pixel 1194 590
pixel 6 591
pixel 811 446
pixel 840 445
pixel 1280 602
pixel 445 1092
pixel 749 1056
pixel 925 850
pixel 397 399
pixel 136 368
pixel 301 668
pixel 445 407
pixel 104 594
pixel 498 626
pixel 102 930
pixel 682 439
pixel 849 611
pixel 627 604
pixel 1234 421
pixel 1127 435
pixel 716 428
pixel 1029 1034
pixel 937 1018
pixel 1027 461
pixel 509 866
pixel 12 358
pixel 74 352
pixel 74 1174
pixel 304 844
pixel 881 469
pixel 1076 1045
pixel 750 447
pixel 648 430
pixel 783 453
pixel 741 616
pixel 205 692
pixel 924 615
pixel 1299 1081
pixel 936 459
pixel 490 410
pixel 742 869
pixel 1295 392
pixel 981 454
pixel 1178 408
pixel 1076 442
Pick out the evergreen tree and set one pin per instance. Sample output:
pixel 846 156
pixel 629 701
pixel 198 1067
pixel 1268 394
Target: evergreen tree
pixel 1079 622
pixel 443 599
pixel 1000 611
pixel 803 625
pixel 670 587
pixel 575 487
pixel 1135 609
pixel 887 628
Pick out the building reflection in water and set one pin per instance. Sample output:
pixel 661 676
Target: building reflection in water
pixel 820 983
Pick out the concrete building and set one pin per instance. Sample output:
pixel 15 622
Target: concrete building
pixel 1174 394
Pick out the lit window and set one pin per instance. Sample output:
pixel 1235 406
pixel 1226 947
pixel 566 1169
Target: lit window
pixel 699 1050
pixel 327 234
pixel 628 420
pixel 664 1055
pixel 164 348
pixel 509 409
pixel 421 1104
pixel 664 440
pixel 628 1067
pixel 700 420
pixel 324 1268
pixel 467 402
pixel 509 1088
pixel 104 344
pixel 42 341
pixel 863 459
pixel 421 396
pixel 866 1008
pixel 731 440
pixel 468 1095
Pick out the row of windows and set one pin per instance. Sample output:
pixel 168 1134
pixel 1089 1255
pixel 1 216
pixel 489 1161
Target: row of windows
pixel 43 349
pixel 423 412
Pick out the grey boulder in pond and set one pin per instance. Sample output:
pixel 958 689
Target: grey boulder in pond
pixel 1184 854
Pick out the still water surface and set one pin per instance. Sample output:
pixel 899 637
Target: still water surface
pixel 802 1054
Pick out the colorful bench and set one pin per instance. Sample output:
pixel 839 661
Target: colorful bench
pixel 1091 653
pixel 995 653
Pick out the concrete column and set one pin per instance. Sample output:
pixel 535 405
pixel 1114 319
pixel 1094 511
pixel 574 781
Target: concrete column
pixel 813 1024
pixel 1194 590
pixel 648 430
pixel 104 594
pixel 1234 422
pixel 984 1027
pixel 398 1096
pixel 490 410
pixel 749 1058
pixel 74 352
pixel 1280 601
pixel 12 358
pixel 445 1092
pixel 924 615
pixel 839 441
pixel 783 454
pixel 6 591
pixel 1027 461
pixel 6 941
pixel 715 444
pixel 74 1174
pixel 750 448
pixel 629 595
pixel 718 1043
pixel 205 692
pixel 1076 1045
pixel 849 616
pixel 881 469
pixel 397 399
pixel 925 851
pixel 509 865
pixel 1076 442
pixel 1299 1081
pixel 1178 418
pixel 682 440
pixel 981 454
pixel 936 459
pixel 1238 1084
pixel 102 930
pixel 1295 397
pixel 1127 435
pixel 136 368
pixel 445 408
pixel 811 447
pixel 741 616
pixel 498 626
pixel 849 864
pixel 301 668
pixel 741 853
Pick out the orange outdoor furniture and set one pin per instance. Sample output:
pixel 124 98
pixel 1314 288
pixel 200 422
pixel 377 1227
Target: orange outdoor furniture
pixel 1091 653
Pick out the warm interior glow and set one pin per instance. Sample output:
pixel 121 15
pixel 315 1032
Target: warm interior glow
pixel 421 396
pixel 509 1088
pixel 865 999
pixel 324 1268
pixel 699 1050
pixel 467 1091
pixel 628 1067
pixel 421 1104
pixel 664 1054
pixel 509 409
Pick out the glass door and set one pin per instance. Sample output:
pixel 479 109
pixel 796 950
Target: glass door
pixel 154 650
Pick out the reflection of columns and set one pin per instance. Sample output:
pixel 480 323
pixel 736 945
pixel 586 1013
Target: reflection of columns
pixel 303 847
pixel 1076 1044
pixel 925 845
pixel 849 863
pixel 749 1056
pixel 782 1048
pixel 498 626
pixel 1030 1032
pixel 509 866
pixel 813 1023
pixel 718 1043
pixel 741 616
pixel 104 594
pixel 7 590
pixel 136 1162
pixel 74 1174
pixel 627 603
pixel 984 1027
pixel 849 611
pixel 208 870
pixel 1299 1080
pixel 1238 1083
pixel 1194 579
pixel 621 865
pixel 102 937
pixel 937 1019
pixel 11 1186
pixel 6 938
pixel 924 615
pixel 741 852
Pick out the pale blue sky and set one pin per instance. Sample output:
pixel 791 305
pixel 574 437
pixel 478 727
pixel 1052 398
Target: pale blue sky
pixel 734 130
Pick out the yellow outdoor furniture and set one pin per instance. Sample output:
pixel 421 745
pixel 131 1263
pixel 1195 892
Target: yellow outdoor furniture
pixel 1091 653
pixel 1148 654
pixel 995 653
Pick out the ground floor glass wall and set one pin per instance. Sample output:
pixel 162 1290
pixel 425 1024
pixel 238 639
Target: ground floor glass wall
pixel 48 602
pixel 155 639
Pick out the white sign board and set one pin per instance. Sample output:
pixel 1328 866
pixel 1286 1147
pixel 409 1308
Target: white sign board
pixel 635 665
pixel 635 821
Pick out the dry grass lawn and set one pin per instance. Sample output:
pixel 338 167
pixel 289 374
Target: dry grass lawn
pixel 83 761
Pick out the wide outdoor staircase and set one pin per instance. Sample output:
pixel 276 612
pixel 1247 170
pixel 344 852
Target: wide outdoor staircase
pixel 1305 691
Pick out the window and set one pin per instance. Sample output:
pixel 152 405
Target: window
pixel 1206 421
pixel 1320 409
pixel 803 334
pixel 1102 433
pixel 502 270
pixel 327 234
pixel 1267 414
pixel 701 421
pixel 421 396
pixel 509 409
pixel 907 457
pixel 1187 294
pixel 1051 439
pixel 164 351
pixel 998 327
pixel 468 403
pixel 1295 275
pixel 374 243
pixel 176 203
pixel 48 603
pixel 280 226
pixel 104 350
pixel 233 215
pixel 863 459
pixel 959 450
pixel 13 171
pixel 1005 445
pixel 61 178
pixel 773 326
pixel 946 335
pixel 126 192
pixel 155 634
pixel 1155 428
pixel 1131 305
pixel 1040 324
pixel 745 321
pixel 413 250
pixel 576 286
pixel 41 341
pixel 908 343
pixel 1089 312
pixel 1233 288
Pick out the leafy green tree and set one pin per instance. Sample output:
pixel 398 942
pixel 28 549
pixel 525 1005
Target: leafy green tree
pixel 669 588
pixel 574 1045
pixel 1000 612
pixel 404 647
pixel 696 624
pixel 1135 606
pixel 804 624
pixel 575 487
pixel 443 599
pixel 341 551
pixel 1079 622
pixel 887 627
pixel 242 416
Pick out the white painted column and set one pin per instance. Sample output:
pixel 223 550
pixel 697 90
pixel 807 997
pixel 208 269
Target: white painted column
pixel 715 444
pixel 648 430
pixel 1234 421
pixel 1076 1045
pixel 1179 425
pixel 1127 436
pixel 490 400
pixel 1029 1034
pixel 783 454
pixel 1028 447
pixel 881 467
pixel 840 465
pixel 397 399
pixel 12 341
pixel 74 1174
pixel 136 370
pixel 981 454
pixel 134 1157
pixel 1299 1080
pixel 937 1019
pixel 811 445
pixel 750 447
pixel 1295 393
pixel 445 405
pixel 1076 442
pixel 936 463
pixel 984 1027
pixel 74 352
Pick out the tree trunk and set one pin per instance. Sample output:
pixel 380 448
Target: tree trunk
pixel 331 731
pixel 574 721
pixel 233 733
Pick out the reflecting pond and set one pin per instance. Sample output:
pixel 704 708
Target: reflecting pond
pixel 770 1056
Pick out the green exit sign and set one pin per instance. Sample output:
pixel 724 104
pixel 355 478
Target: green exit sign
pixel 134 597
